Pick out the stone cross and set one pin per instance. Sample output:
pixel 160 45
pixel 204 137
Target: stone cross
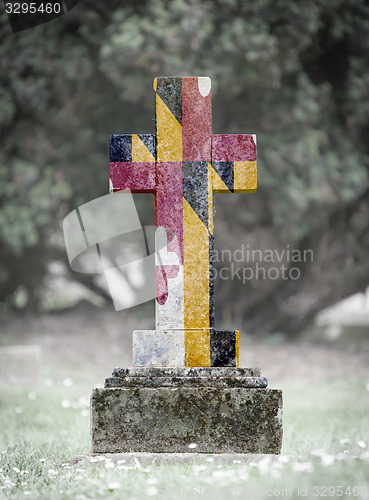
pixel 183 164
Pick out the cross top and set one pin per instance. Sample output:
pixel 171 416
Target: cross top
pixel 183 164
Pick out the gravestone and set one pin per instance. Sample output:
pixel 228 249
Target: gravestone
pixel 185 387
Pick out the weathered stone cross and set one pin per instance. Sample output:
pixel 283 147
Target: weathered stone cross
pixel 183 164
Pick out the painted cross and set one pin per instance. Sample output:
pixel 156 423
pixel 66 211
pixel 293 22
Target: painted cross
pixel 183 164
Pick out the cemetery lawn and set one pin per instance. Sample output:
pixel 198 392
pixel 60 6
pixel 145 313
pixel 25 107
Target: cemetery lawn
pixel 325 451
pixel 326 423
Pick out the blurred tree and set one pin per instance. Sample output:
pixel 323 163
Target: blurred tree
pixel 296 74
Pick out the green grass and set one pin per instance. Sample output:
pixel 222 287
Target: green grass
pixel 325 429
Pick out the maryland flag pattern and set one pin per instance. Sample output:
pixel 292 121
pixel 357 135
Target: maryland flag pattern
pixel 183 164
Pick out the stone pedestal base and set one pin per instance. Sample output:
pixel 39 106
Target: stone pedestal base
pixel 191 347
pixel 165 410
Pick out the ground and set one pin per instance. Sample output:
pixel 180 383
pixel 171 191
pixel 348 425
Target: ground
pixel 42 427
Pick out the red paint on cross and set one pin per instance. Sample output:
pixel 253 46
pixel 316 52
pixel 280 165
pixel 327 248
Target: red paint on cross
pixel 196 126
pixel 235 147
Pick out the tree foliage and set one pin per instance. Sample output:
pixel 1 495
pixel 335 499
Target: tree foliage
pixel 294 73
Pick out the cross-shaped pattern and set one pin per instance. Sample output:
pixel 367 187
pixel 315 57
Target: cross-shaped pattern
pixel 183 164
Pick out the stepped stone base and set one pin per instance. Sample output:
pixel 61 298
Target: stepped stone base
pixel 165 410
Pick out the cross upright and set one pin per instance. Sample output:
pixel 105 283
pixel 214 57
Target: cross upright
pixel 183 164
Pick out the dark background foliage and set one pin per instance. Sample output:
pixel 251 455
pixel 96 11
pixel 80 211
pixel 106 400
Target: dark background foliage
pixel 294 73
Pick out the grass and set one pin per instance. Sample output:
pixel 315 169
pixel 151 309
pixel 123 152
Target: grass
pixel 325 451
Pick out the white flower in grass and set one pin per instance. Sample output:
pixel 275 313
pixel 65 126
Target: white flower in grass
pixel 52 472
pixel 114 485
pixel 109 465
pixel 18 410
pixel 303 467
pixel 361 444
pixel 152 491
pixel 192 446
pixel 15 469
pixel 243 474
pixel 83 401
pixel 327 460
pixel 67 382
pixel 264 464
pixel 275 473
pixel 344 440
pixel 151 480
pixel 121 461
pixel 65 403
pixel 26 492
pixel 225 474
pixel 199 467
pixel 210 459
pixel 8 483
pixel 85 413
pixel 94 459
pixel 219 474
pixel 42 460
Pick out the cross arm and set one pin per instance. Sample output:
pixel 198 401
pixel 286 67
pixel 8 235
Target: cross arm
pixel 233 161
pixel 132 162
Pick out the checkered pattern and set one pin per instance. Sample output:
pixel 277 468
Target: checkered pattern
pixel 183 164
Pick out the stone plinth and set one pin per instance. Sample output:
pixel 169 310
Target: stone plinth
pixel 167 348
pixel 164 410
